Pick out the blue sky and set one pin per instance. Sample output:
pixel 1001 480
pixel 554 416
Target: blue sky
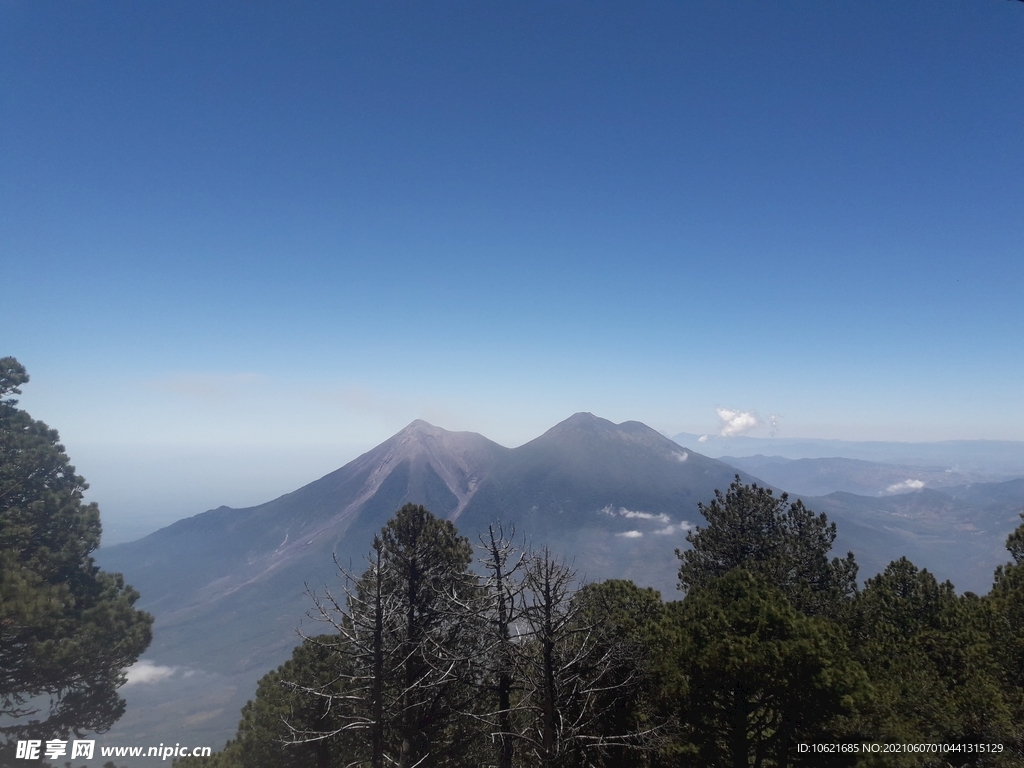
pixel 243 242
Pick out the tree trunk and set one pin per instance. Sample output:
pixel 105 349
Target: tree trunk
pixel 739 743
pixel 410 722
pixel 548 704
pixel 377 689
pixel 507 745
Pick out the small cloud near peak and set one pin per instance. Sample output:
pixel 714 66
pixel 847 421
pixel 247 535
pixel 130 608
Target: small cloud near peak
pixel 632 514
pixel 630 534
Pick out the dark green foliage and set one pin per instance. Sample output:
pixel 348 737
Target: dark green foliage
pixel 760 676
pixel 784 543
pixel 228 758
pixel 68 631
pixel 391 685
pixel 1007 599
pixel 427 573
pixel 929 656
pixel 1015 544
pixel 409 642
pixel 563 671
pixel 266 734
pixel 1006 604
pixel 627 623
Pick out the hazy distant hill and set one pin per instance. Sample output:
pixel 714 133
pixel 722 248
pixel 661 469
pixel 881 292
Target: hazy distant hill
pixel 997 458
pixel 943 520
pixel 819 477
pixel 958 533
pixel 953 522
pixel 227 586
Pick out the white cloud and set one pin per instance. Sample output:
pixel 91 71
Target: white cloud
pixel 668 527
pixel 682 456
pixel 906 485
pixel 146 672
pixel 668 530
pixel 631 514
pixel 702 439
pixel 737 422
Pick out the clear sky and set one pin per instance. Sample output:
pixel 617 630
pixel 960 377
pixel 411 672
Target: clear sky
pixel 242 242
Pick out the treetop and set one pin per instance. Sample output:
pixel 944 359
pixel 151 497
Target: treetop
pixel 12 376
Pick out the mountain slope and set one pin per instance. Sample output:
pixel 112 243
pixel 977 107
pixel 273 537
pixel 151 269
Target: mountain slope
pixel 618 498
pixel 227 586
pixel 957 533
pixel 237 575
pixel 584 464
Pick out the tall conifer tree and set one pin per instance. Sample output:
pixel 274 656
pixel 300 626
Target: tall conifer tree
pixel 410 642
pixel 68 631
pixel 785 543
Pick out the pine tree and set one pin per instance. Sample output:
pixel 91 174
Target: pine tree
pixel 1006 613
pixel 356 689
pixel 785 543
pixel 629 713
pixel 68 631
pixel 409 642
pixel 761 677
pixel 428 573
pixel 932 666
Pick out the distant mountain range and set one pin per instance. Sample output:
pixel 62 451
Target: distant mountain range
pixel 227 586
pixel 819 477
pixel 998 459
